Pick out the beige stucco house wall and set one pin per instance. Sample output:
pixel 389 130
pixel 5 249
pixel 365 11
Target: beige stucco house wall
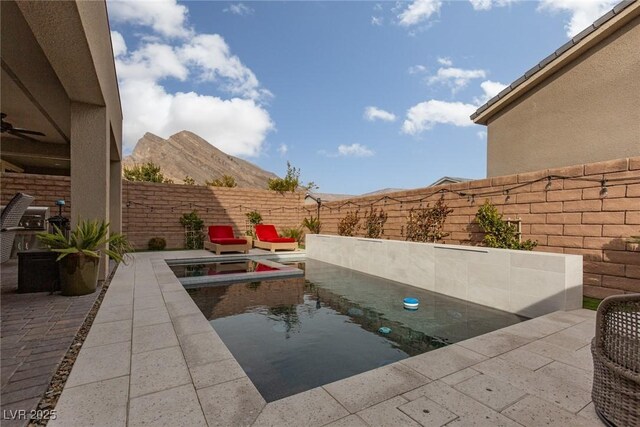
pixel 582 106
pixel 59 78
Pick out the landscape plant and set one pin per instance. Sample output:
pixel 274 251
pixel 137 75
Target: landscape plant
pixel 426 224
pixel 374 222
pixel 147 172
pixel 224 181
pixel 498 232
pixel 254 218
pixel 189 181
pixel 291 182
pixel 194 230
pixel 294 233
pixel 312 224
pixel 350 224
pixel 157 244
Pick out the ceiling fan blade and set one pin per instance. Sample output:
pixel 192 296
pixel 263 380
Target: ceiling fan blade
pixel 20 135
pixel 27 131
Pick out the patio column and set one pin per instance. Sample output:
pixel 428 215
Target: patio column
pixel 90 167
pixel 115 196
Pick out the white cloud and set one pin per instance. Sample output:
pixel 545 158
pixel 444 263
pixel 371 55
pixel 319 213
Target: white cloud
pixel 417 69
pixel 239 9
pixel 419 11
pixel 583 12
pixel 118 43
pixel 283 149
pixel 355 150
pixel 488 4
pixel 235 126
pixel 426 115
pixel 166 17
pixel 456 78
pixel 375 113
pixel 211 55
pixel 445 61
pixel 489 89
pixel 377 20
pixel 482 134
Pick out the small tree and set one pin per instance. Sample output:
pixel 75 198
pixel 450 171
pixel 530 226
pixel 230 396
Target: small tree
pixel 254 219
pixel 290 182
pixel 374 223
pixel 350 224
pixel 194 230
pixel 189 181
pixel 312 224
pixel 224 181
pixel 426 224
pixel 499 233
pixel 147 172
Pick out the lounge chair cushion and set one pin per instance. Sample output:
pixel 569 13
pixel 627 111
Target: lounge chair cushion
pixel 262 267
pixel 279 240
pixel 265 232
pixel 220 232
pixel 228 241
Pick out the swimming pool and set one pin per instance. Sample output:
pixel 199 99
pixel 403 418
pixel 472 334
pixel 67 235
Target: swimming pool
pixel 293 334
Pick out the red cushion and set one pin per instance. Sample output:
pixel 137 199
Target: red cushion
pixel 262 267
pixel 279 240
pixel 230 241
pixel 265 232
pixel 220 232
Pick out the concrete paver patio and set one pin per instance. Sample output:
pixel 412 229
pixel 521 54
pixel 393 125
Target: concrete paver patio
pixel 156 360
pixel 37 330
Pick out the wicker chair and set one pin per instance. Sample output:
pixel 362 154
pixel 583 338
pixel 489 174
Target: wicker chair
pixel 9 220
pixel 616 361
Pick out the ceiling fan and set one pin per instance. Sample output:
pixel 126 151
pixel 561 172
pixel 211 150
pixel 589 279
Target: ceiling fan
pixel 19 132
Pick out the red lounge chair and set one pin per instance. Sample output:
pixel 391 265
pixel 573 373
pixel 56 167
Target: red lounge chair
pixel 268 238
pixel 221 239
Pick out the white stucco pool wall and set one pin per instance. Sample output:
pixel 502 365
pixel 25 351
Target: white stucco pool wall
pixel 523 282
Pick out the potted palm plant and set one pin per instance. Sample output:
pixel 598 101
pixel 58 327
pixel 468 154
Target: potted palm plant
pixel 80 254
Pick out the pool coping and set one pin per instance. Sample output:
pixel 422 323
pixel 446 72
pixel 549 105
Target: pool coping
pixel 151 357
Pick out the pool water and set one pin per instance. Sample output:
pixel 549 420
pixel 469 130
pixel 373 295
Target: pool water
pixel 291 335
pixel 217 268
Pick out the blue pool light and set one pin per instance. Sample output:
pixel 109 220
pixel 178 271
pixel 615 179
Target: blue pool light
pixel 384 330
pixel 411 303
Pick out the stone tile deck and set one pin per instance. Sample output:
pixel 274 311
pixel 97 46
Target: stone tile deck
pixel 154 359
pixel 37 330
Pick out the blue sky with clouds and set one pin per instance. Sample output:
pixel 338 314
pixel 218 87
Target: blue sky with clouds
pixel 359 95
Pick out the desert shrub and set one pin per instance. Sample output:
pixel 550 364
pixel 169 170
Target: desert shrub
pixel 350 224
pixel 254 219
pixel 147 172
pixel 374 223
pixel 194 230
pixel 312 224
pixel 223 181
pixel 189 181
pixel 156 244
pixel 295 233
pixel 290 182
pixel 498 232
pixel 426 224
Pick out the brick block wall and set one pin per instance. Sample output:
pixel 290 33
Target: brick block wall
pixel 571 217
pixel 154 210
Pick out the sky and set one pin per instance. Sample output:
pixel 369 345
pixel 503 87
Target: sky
pixel 360 95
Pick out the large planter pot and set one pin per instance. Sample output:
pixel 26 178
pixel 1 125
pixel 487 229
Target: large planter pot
pixel 78 274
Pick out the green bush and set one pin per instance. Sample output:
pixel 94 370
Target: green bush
pixel 295 233
pixel 374 222
pixel 194 230
pixel 312 224
pixel 350 224
pixel 499 233
pixel 157 244
pixel 147 172
pixel 224 181
pixel 254 219
pixel 290 182
pixel 426 224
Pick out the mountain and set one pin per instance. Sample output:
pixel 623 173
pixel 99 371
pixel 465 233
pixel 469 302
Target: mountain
pixel 384 191
pixel 185 153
